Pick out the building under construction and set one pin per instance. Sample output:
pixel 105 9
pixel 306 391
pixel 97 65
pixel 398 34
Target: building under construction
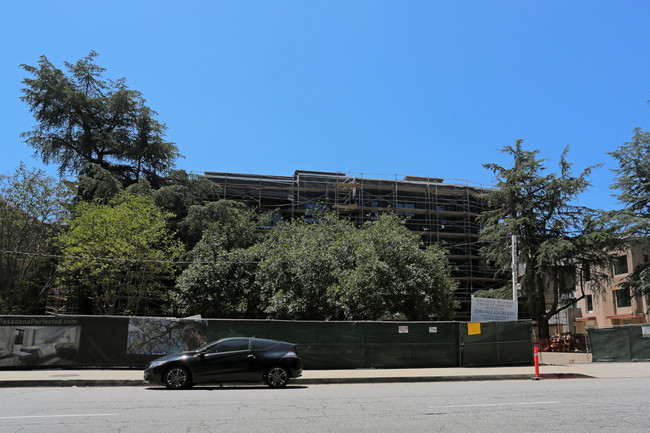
pixel 440 212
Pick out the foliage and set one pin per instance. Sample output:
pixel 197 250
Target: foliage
pixel 84 120
pixel 558 242
pixel 324 270
pixel 178 193
pixel 31 208
pixel 633 184
pixel 300 268
pixel 500 293
pixel 236 224
pixel 633 176
pixel 117 255
pixel 392 276
pixel 220 280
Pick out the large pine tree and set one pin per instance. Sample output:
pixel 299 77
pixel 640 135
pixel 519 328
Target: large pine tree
pixel 633 185
pixel 84 120
pixel 560 243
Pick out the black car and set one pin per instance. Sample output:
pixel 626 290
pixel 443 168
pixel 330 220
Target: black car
pixel 235 359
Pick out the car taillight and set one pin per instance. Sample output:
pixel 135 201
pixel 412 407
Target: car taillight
pixel 290 354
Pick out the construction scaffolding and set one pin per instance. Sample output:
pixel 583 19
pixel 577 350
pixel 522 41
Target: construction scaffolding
pixel 441 213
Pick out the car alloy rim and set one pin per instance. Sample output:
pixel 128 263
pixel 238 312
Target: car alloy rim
pixel 277 376
pixel 176 377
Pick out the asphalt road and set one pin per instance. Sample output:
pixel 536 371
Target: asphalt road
pixel 567 405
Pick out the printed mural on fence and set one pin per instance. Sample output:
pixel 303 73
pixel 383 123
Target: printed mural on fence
pixel 38 341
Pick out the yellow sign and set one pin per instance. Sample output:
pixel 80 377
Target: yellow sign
pixel 473 328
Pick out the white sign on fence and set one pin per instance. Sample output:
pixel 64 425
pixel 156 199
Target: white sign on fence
pixel 645 330
pixel 493 310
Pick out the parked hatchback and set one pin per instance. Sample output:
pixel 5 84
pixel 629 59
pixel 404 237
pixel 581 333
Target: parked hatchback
pixel 228 360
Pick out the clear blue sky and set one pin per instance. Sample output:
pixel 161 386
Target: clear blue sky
pixel 422 88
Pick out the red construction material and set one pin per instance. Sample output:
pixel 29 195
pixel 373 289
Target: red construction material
pixel 536 362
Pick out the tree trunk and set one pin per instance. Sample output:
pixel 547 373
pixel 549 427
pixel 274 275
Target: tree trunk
pixel 542 328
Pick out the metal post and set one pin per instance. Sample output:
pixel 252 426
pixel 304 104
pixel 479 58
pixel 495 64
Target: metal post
pixel 514 267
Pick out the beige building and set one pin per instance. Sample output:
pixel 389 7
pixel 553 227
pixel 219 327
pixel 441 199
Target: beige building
pixel 616 306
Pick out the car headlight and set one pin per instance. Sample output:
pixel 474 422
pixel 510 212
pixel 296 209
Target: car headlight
pixel 154 364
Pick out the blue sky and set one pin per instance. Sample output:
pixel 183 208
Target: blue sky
pixel 421 88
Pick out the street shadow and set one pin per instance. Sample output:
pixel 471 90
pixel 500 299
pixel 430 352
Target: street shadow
pixel 228 387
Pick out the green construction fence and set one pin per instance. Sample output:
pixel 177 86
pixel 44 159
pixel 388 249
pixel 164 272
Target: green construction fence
pixel 620 344
pixel 106 341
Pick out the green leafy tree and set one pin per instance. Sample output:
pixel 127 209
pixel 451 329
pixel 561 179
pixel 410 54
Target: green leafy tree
pixel 32 206
pixel 300 267
pixel 102 132
pixel 560 244
pixel 118 255
pixel 236 224
pixel 324 270
pixel 86 121
pixel 633 184
pixel 220 281
pixel 178 193
pixel 394 276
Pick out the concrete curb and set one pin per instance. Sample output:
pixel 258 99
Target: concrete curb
pixel 413 379
pixel 85 383
pixel 69 383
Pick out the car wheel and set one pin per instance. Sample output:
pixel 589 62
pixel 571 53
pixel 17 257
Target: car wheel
pixel 276 377
pixel 178 377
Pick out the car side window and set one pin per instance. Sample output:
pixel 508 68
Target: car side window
pixel 232 346
pixel 211 349
pixel 260 344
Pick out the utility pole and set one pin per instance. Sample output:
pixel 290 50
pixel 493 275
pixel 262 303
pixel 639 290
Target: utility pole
pixel 515 266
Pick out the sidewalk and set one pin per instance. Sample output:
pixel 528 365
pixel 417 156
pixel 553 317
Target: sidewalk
pixel 553 366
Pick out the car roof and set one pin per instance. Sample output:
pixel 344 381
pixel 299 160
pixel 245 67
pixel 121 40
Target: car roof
pixel 252 338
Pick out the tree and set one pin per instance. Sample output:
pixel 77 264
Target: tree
pixel 320 270
pixel 118 255
pixel 181 191
pixel 236 224
pixel 392 276
pixel 32 206
pixel 560 244
pixel 300 267
pixel 104 133
pixel 633 184
pixel 220 281
pixel 86 121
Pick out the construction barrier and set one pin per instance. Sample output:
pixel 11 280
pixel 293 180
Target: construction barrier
pixel 621 343
pixel 495 343
pixel 109 341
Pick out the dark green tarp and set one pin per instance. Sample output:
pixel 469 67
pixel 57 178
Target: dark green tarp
pixel 103 341
pixel 499 343
pixel 621 343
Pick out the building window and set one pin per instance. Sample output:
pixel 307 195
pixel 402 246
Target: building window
pixel 590 303
pixel 587 273
pixel 620 265
pixel 402 206
pixel 623 298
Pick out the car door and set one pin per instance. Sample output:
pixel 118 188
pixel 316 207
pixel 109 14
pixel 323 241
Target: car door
pixel 227 361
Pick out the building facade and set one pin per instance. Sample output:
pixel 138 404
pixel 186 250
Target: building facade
pixel 442 213
pixel 615 306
